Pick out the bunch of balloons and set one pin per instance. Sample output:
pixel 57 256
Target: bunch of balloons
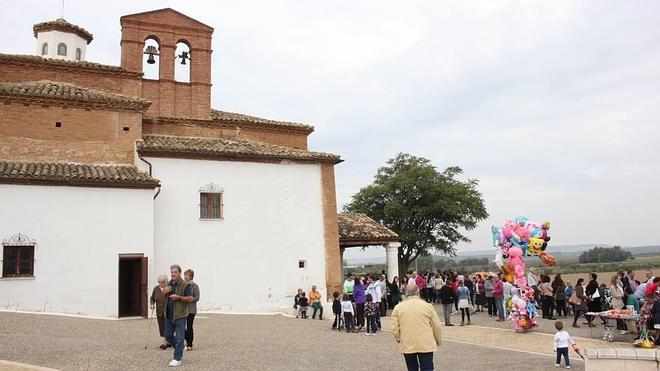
pixel 515 240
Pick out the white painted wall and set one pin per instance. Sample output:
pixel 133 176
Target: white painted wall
pixel 53 38
pixel 80 233
pixel 247 262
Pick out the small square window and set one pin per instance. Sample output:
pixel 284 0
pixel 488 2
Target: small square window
pixel 210 205
pixel 18 261
pixel 58 124
pixel 126 128
pixel 302 263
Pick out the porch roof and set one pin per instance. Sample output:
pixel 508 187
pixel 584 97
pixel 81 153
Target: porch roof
pixel 356 229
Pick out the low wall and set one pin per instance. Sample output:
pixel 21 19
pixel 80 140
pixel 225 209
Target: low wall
pixel 622 359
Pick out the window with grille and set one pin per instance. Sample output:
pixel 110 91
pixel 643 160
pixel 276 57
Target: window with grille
pixel 210 205
pixel 17 261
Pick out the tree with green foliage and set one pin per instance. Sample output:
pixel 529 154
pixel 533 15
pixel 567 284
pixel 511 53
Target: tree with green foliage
pixel 605 254
pixel 427 208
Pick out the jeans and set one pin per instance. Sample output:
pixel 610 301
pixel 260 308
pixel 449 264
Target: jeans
pixel 490 301
pixel 319 307
pixel 359 314
pixel 564 352
pixel 189 329
pixel 175 333
pixel 372 324
pixel 348 318
pixel 446 311
pixel 561 307
pixel 546 306
pixel 337 323
pixel 419 361
pixel 500 307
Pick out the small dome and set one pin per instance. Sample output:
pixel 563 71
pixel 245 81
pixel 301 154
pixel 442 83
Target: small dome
pixel 60 24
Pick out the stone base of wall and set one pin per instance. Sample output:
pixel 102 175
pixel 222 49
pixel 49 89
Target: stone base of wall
pixel 622 359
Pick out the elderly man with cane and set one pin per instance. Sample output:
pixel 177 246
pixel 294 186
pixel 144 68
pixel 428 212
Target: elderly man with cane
pixel 179 294
pixel 416 327
pixel 158 300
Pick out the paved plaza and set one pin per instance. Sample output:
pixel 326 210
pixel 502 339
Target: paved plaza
pixel 265 342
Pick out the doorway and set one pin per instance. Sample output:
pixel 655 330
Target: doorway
pixel 132 285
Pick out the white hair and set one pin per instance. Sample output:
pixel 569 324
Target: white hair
pixel 163 277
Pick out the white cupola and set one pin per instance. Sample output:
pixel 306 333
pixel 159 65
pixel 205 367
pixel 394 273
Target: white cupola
pixel 62 40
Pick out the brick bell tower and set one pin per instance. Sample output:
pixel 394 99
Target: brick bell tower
pixel 170 28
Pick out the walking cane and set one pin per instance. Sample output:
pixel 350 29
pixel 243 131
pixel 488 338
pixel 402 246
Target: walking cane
pixel 149 327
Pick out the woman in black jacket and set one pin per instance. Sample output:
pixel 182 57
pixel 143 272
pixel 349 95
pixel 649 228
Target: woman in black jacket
pixel 593 304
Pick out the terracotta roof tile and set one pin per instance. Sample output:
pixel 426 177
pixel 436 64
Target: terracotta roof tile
pixel 356 227
pixel 57 173
pixel 246 119
pixel 174 146
pixel 52 90
pixel 60 24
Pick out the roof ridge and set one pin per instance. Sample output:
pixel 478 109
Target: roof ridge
pixel 217 114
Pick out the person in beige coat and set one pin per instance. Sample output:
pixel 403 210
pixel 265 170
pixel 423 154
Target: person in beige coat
pixel 416 327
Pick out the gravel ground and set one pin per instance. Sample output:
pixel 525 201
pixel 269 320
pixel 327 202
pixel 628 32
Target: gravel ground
pixel 229 342
pixel 544 325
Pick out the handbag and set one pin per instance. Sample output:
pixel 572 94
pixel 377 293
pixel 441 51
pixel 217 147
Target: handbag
pixel 463 303
pixel 596 294
pixel 574 299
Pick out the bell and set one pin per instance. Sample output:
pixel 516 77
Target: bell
pixel 184 56
pixel 151 51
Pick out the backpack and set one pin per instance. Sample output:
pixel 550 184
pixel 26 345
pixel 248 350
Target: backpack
pixel 568 292
pixel 561 292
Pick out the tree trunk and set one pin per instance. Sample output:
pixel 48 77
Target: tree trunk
pixel 403 266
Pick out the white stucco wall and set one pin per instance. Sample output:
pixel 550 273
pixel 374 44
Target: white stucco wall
pixel 53 38
pixel 247 262
pixel 79 234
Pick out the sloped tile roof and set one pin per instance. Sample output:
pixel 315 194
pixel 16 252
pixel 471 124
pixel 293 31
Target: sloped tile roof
pixel 246 119
pixel 360 229
pixel 54 63
pixel 60 24
pixel 59 91
pixel 58 173
pixel 175 146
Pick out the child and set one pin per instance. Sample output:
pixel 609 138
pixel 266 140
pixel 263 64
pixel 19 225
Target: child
pixel 562 339
pixel 347 308
pixel 336 310
pixel 296 302
pixel 303 303
pixel 371 310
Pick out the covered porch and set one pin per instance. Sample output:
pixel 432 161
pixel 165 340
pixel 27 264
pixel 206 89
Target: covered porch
pixel 359 230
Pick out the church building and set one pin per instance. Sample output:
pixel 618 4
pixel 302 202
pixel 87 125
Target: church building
pixel 107 177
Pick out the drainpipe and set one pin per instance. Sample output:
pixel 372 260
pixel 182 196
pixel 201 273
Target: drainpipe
pixel 149 164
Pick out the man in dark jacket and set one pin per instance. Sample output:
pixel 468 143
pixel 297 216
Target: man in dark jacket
pixel 179 294
pixel 447 298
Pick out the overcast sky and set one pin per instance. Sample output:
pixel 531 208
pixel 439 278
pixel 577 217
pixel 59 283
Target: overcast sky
pixel 552 105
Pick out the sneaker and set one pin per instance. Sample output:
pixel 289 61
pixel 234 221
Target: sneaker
pixel 188 349
pixel 568 366
pixel 557 365
pixel 624 332
pixel 175 363
pixel 449 324
pixel 367 334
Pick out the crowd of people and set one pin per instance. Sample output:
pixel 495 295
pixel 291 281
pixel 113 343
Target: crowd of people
pixel 175 304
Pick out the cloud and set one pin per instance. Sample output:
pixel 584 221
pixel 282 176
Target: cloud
pixel 552 105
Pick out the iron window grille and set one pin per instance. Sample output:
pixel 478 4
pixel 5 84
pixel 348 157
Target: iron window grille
pixel 18 257
pixel 210 202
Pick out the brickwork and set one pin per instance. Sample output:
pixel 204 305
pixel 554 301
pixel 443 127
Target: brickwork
pixel 169 27
pixel 17 70
pixel 29 133
pixel 288 139
pixel 333 263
